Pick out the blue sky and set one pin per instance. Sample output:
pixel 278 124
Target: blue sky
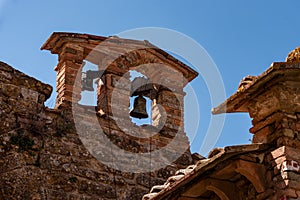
pixel 242 37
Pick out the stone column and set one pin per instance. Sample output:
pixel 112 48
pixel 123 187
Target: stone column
pixel 168 109
pixel 68 81
pixel 276 121
pixel 114 95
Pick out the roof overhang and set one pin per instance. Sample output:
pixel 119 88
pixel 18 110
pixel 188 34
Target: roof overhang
pixel 278 71
pixel 57 40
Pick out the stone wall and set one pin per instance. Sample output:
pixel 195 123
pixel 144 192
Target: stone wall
pixel 42 156
pixel 92 152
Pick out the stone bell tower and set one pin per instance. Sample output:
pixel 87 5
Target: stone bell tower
pixel 154 150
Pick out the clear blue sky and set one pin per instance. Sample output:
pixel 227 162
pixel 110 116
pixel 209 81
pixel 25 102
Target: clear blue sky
pixel 242 37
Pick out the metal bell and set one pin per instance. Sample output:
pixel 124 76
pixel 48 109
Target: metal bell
pixel 87 84
pixel 87 79
pixel 139 108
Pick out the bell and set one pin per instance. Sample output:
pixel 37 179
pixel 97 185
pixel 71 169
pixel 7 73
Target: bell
pixel 87 79
pixel 139 108
pixel 87 84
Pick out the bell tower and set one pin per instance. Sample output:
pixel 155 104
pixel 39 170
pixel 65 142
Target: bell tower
pixel 106 129
pixel 166 76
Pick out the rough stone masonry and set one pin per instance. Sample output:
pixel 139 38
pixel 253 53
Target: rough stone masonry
pixel 41 153
pixel 45 153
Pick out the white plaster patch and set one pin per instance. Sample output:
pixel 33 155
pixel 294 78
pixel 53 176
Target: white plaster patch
pixel 290 165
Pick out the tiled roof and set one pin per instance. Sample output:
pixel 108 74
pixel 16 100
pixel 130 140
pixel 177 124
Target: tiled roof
pixel 184 176
pixel 249 86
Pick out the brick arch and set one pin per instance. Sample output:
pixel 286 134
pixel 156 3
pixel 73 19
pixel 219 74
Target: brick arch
pixel 148 62
pixel 223 189
pixel 159 71
pixel 254 172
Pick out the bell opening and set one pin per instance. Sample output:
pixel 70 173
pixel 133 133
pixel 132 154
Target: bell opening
pixel 89 86
pixel 141 113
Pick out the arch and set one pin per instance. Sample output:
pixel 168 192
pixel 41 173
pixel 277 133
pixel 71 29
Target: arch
pixel 223 189
pixel 254 172
pixel 147 61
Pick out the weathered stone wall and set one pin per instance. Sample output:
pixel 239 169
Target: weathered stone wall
pixel 21 99
pixel 86 152
pixel 22 124
pixel 42 155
